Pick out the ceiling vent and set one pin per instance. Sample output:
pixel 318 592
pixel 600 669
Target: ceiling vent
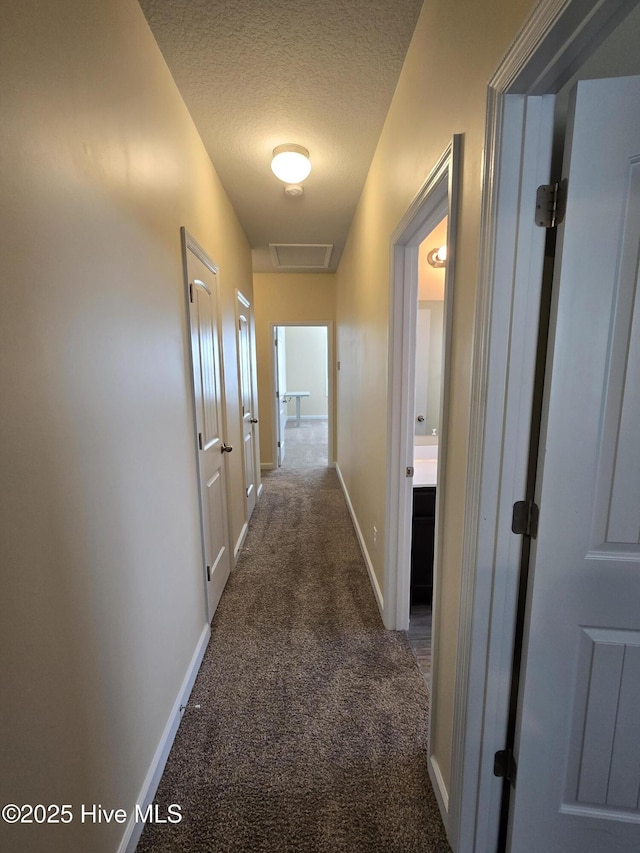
pixel 301 256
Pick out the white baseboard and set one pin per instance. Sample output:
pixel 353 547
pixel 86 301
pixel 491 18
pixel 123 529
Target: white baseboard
pixel 267 466
pixel 308 418
pixel 367 559
pixel 134 829
pixel 440 790
pixel 240 542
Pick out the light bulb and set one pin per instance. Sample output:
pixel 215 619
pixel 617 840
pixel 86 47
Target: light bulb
pixel 291 163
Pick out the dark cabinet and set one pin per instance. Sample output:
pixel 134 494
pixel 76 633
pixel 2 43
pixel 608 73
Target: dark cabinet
pixel 423 534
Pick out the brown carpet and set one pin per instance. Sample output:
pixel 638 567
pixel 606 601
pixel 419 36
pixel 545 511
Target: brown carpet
pixel 311 731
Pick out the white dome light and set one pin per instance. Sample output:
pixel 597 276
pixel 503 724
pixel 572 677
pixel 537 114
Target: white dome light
pixel 291 163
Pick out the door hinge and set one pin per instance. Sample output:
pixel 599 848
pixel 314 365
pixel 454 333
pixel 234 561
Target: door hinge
pixel 200 442
pixel 190 293
pixel 551 204
pixel 504 765
pixel 208 574
pixel 524 521
pixel 409 471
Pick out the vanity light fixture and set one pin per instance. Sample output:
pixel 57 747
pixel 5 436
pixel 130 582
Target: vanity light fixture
pixel 291 163
pixel 438 257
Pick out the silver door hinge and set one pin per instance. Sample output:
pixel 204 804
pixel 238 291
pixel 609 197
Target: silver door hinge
pixel 190 293
pixel 409 471
pixel 504 765
pixel 551 204
pixel 524 520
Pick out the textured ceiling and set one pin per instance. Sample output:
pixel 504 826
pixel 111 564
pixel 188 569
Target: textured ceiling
pixel 258 73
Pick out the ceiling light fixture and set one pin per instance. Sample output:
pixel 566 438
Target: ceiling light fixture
pixel 291 163
pixel 438 257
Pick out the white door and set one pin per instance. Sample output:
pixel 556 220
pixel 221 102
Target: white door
pixel 281 389
pixel 249 420
pixel 578 744
pixel 212 450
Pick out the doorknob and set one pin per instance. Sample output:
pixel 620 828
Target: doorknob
pixel 420 418
pixel 226 448
pixel 253 421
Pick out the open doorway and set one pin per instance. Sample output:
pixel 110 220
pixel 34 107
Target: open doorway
pixel 432 253
pixel 303 395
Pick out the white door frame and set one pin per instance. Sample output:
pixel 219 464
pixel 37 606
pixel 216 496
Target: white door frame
pixel 190 244
pixel 553 43
pixel 328 324
pixel 437 198
pixel 243 303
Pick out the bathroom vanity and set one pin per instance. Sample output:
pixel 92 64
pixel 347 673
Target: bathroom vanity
pixel 423 524
pixel 423 534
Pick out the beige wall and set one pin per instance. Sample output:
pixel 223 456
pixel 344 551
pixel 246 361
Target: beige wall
pixel 442 91
pixel 281 298
pixel 102 590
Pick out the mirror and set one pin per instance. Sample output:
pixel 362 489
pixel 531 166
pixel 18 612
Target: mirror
pixel 429 335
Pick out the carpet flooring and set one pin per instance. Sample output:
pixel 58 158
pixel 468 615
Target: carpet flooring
pixel 306 731
pixel 306 445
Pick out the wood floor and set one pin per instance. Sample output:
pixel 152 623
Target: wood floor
pixel 420 638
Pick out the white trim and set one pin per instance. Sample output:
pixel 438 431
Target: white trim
pixel 363 547
pixel 516 253
pixel 439 789
pixel 240 542
pixel 133 830
pixel 189 244
pixel 266 466
pixel 554 42
pixel 436 199
pixel 241 300
pixel 308 418
pixel 556 38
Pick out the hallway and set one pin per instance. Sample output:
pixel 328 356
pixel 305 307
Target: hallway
pixel 307 726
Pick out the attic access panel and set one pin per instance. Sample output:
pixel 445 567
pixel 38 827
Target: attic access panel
pixel 307 256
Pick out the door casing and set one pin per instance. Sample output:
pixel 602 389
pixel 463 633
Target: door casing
pixel 190 245
pixel 244 308
pixel 437 198
pixel 552 44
